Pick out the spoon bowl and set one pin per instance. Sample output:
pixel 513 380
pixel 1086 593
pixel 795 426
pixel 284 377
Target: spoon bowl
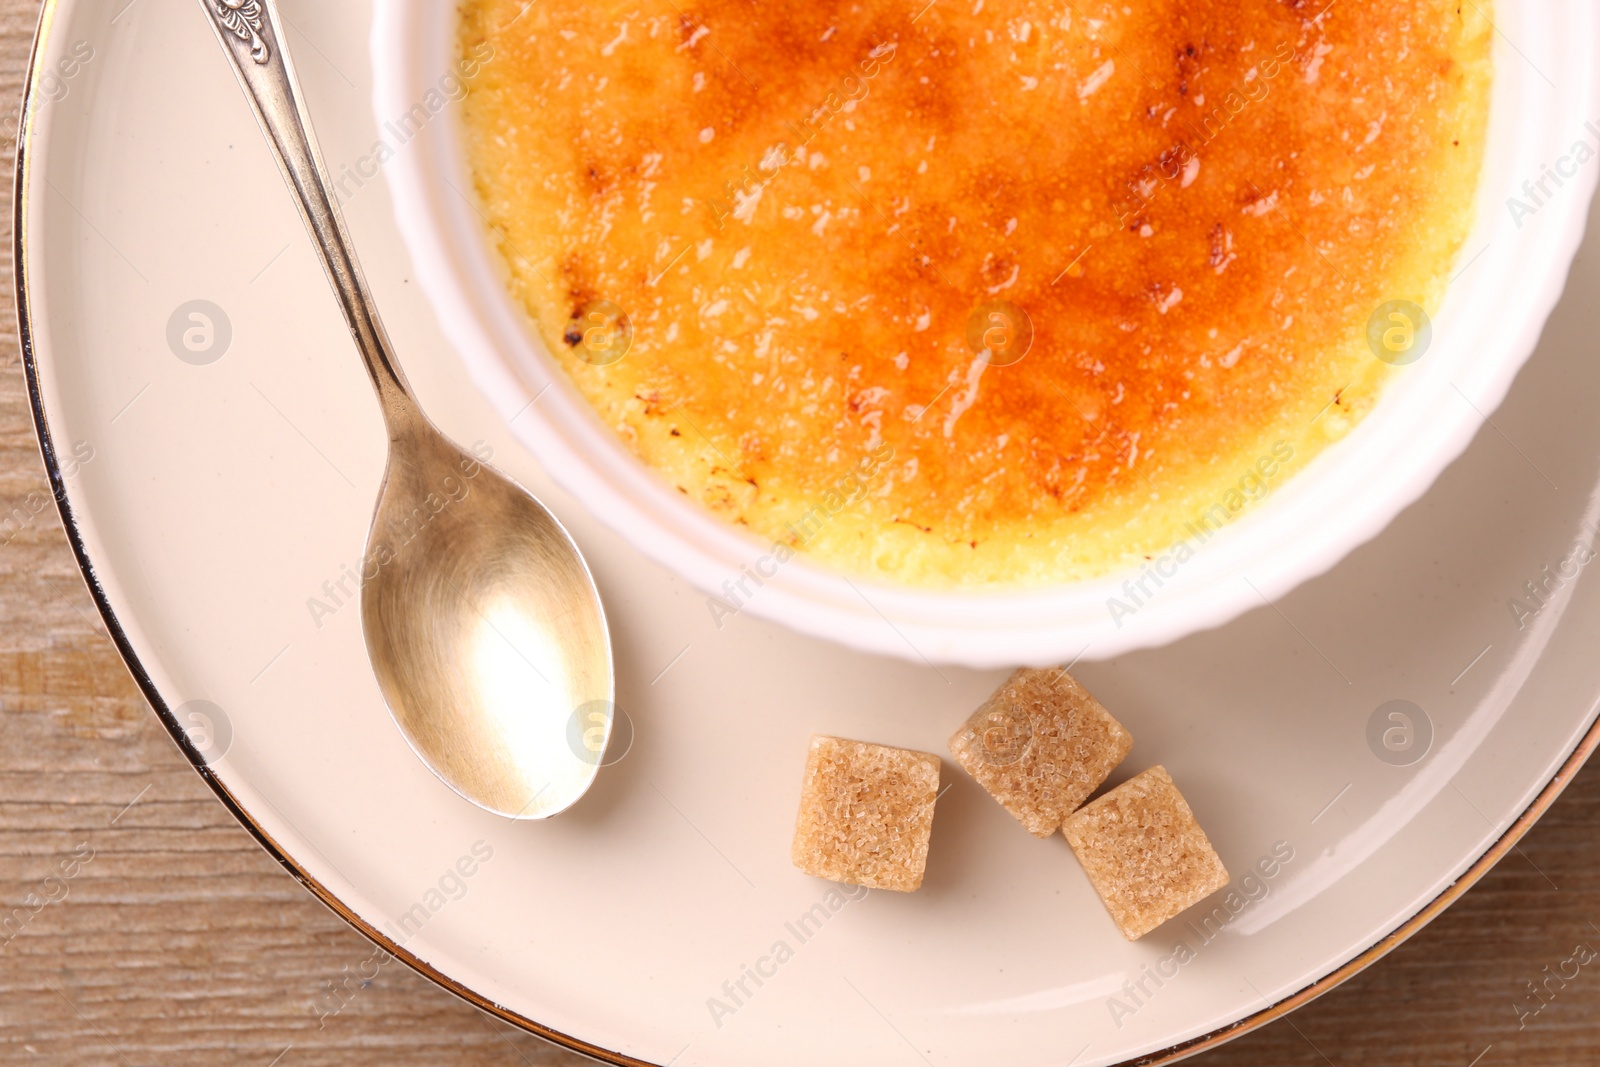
pixel 485 631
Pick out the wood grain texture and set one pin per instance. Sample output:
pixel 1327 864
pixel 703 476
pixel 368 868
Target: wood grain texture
pixel 180 942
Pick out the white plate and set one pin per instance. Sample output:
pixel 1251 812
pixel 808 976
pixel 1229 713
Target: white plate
pixel 219 498
pixel 1546 87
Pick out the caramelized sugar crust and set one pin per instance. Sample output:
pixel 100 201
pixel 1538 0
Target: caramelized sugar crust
pixel 799 207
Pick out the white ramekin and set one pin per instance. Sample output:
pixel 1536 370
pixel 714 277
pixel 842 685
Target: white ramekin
pixel 1512 270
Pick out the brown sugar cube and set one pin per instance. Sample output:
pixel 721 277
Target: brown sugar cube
pixel 866 812
pixel 1040 746
pixel 1144 852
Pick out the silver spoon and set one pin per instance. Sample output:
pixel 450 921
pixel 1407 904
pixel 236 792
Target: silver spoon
pixel 481 619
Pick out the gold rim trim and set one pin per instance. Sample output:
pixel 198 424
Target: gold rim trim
pixel 130 658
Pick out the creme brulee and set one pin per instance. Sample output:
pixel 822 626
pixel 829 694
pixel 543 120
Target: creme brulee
pixel 979 292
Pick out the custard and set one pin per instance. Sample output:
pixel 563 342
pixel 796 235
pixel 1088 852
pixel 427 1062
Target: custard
pixel 977 293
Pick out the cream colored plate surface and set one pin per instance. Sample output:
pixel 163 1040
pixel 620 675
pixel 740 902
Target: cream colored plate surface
pixel 220 502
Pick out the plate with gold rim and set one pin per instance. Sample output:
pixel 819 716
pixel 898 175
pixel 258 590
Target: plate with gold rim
pixel 216 451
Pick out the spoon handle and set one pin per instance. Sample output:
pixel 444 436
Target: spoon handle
pixel 251 35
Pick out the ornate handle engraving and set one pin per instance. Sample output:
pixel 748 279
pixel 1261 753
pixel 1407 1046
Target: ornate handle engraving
pixel 243 19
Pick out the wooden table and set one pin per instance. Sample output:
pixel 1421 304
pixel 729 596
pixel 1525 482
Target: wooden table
pixel 181 942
